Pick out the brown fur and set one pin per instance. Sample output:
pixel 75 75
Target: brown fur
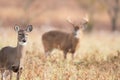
pixel 64 41
pixel 12 58
pixel 56 39
pixel 8 61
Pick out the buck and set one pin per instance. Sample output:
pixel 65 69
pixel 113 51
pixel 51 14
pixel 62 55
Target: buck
pixel 67 42
pixel 12 58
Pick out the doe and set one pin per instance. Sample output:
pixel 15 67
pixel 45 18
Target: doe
pixel 12 58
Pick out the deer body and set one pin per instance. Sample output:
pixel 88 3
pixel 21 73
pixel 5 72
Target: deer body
pixel 67 42
pixel 7 60
pixel 56 39
pixel 12 58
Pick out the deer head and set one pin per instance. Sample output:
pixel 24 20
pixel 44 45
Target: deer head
pixel 22 34
pixel 77 28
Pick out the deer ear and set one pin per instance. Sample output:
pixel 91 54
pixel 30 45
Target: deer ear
pixel 29 28
pixel 16 28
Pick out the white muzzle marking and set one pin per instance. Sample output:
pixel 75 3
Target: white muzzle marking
pixel 23 43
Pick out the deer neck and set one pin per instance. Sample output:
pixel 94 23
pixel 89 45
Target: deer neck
pixel 20 50
pixel 77 33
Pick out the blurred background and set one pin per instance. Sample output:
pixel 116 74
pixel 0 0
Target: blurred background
pixel 98 53
pixel 103 14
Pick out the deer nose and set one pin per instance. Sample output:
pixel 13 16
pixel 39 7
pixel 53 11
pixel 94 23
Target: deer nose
pixel 24 40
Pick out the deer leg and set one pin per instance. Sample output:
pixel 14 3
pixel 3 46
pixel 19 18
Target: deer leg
pixel 48 50
pixel 72 52
pixel 47 53
pixel 19 74
pixel 65 54
pixel 10 74
pixel 72 56
pixel 4 74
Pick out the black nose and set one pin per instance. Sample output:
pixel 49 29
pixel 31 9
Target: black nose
pixel 15 68
pixel 24 40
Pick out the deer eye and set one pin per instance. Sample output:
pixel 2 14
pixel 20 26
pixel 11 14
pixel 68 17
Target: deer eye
pixel 20 34
pixel 76 28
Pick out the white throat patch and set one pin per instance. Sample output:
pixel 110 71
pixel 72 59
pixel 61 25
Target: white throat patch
pixel 78 34
pixel 23 43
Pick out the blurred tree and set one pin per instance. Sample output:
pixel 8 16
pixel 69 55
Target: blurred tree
pixel 113 10
pixel 26 8
pixel 42 7
pixel 90 7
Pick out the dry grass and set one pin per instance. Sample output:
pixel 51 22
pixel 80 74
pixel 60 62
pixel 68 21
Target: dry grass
pixel 97 58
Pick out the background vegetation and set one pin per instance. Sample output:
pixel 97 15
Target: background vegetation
pixel 97 55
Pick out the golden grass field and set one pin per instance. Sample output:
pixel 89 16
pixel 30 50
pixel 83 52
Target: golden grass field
pixel 97 58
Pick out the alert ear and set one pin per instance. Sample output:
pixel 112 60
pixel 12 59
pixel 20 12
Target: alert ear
pixel 29 28
pixel 16 28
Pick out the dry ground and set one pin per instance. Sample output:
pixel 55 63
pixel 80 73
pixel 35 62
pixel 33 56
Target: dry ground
pixel 97 58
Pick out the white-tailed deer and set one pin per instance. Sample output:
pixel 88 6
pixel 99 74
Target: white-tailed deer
pixel 64 41
pixel 12 58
